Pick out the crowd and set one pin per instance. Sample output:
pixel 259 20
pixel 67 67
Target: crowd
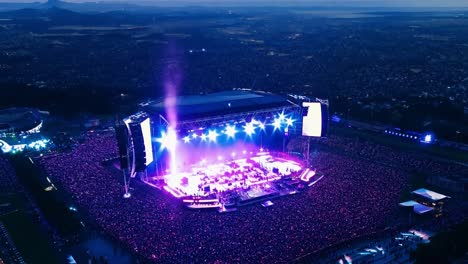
pixel 356 197
pixel 8 181
pixel 408 161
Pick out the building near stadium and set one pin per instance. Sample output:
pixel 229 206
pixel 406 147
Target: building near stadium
pixel 20 121
pixel 221 149
pixel 19 130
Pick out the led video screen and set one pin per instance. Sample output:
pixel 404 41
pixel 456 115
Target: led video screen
pixel 312 121
pixel 146 131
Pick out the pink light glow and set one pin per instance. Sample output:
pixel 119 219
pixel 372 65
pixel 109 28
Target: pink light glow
pixel 420 234
pixel 173 192
pixel 202 178
pixel 348 259
pixel 172 78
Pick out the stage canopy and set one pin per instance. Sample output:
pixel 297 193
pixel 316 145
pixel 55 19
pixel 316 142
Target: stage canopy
pixel 220 103
pixel 417 207
pixel 410 203
pixel 428 194
pixel 422 209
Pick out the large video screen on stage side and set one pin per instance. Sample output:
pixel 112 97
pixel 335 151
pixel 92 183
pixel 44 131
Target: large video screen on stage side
pixel 312 121
pixel 146 131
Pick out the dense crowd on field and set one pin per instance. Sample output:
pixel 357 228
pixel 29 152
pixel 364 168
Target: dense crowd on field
pixel 408 160
pixel 355 197
pixel 8 181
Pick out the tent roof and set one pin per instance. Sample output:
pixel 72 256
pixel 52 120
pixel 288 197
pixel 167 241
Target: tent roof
pixel 433 196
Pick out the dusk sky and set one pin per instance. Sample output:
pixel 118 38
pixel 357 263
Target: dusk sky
pixel 402 3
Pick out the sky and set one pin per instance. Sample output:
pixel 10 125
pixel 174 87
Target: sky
pixel 393 3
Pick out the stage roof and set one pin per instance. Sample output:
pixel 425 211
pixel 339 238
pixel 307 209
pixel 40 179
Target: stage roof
pixel 220 103
pixel 422 209
pixel 433 196
pixel 417 207
pixel 410 203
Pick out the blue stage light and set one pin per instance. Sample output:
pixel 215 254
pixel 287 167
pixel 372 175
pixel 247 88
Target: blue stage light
pixel 186 139
pixel 230 131
pixel 203 137
pixel 281 116
pixel 427 138
pixel 212 135
pixel 277 123
pixel 261 125
pixel 249 129
pixel 289 122
pixel 168 139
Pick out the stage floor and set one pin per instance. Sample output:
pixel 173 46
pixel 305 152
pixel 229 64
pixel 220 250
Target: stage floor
pixel 241 180
pixel 203 179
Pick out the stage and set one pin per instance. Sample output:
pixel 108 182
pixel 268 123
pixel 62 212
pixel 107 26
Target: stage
pixel 222 149
pixel 244 178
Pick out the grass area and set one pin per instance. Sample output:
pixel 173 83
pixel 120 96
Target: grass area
pixel 30 240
